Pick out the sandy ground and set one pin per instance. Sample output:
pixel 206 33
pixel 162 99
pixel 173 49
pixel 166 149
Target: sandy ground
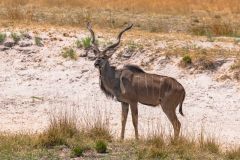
pixel 36 82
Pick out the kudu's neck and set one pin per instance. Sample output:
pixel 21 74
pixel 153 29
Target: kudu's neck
pixel 108 80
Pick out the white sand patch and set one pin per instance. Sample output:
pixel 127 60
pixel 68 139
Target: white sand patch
pixel 60 84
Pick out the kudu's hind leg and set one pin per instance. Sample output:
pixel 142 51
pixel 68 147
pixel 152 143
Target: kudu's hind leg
pixel 125 108
pixel 169 109
pixel 134 110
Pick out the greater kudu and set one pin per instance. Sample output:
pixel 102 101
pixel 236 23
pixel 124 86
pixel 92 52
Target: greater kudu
pixel 131 85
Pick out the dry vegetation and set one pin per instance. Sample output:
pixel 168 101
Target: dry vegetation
pixel 211 18
pixel 65 138
pixel 157 6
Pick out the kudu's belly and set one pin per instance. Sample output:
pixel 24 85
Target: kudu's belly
pixel 150 99
pixel 147 91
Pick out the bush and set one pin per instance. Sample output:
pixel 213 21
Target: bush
pixel 2 37
pixel 77 151
pixel 38 41
pixel 101 146
pixel 16 38
pixel 86 42
pixel 69 52
pixel 187 59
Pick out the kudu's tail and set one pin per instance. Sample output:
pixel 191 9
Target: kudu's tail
pixel 181 103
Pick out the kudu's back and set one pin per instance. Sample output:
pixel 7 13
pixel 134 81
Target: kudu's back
pixel 151 89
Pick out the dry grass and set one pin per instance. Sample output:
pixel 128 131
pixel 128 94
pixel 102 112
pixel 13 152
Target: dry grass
pixel 64 133
pixel 161 147
pixel 69 52
pixel 158 16
pixel 177 6
pixel 61 128
pixel 236 65
pixel 202 59
pixel 215 27
pixel 235 68
pixel 233 154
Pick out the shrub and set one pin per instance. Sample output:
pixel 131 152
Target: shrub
pixel 38 41
pixel 86 42
pixel 16 38
pixel 2 37
pixel 101 146
pixel 187 59
pixel 69 52
pixel 77 151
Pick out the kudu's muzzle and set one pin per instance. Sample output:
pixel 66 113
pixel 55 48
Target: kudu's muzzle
pixel 97 63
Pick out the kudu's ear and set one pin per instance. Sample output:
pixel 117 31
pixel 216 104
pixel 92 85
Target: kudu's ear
pixel 94 46
pixel 112 48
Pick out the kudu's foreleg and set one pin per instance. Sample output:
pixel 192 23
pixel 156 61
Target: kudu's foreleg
pixel 125 108
pixel 134 110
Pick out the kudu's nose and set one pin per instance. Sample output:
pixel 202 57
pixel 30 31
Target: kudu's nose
pixel 96 64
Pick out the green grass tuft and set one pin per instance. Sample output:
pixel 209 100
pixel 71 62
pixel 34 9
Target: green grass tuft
pixel 187 59
pixel 69 52
pixel 86 42
pixel 101 146
pixel 77 151
pixel 16 37
pixel 38 41
pixel 2 37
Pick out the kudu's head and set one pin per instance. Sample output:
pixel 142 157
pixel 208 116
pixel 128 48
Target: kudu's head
pixel 104 55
